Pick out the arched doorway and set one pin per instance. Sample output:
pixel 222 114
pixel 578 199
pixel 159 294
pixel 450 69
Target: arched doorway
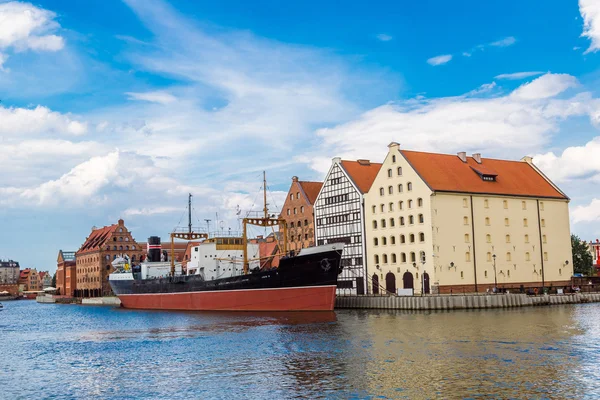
pixel 426 283
pixel 375 280
pixel 390 282
pixel 408 281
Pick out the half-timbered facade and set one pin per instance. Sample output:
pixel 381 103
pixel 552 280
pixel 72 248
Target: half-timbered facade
pixel 339 217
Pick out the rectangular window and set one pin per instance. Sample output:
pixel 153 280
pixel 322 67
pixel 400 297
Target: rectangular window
pixel 524 205
pixel 545 256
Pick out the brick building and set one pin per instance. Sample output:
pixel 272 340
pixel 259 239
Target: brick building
pixel 93 259
pixel 66 273
pixel 298 213
pixel 29 280
pixel 9 276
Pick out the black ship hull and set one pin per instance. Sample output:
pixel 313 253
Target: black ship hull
pixel 303 282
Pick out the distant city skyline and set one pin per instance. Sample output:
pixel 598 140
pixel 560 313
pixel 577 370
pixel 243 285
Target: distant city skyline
pixel 118 109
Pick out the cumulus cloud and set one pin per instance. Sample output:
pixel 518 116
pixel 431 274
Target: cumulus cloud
pixel 519 122
pixel 84 182
pixel 586 213
pixel 27 121
pixel 518 75
pixel 590 11
pixel 160 97
pixel 439 60
pixel 575 162
pixel 24 26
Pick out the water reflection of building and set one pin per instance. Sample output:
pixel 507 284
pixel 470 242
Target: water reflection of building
pixel 525 353
pixel 455 223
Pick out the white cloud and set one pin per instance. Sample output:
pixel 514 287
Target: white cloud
pixel 26 27
pixel 548 85
pixel 153 97
pixel 587 213
pixel 439 60
pixel 590 11
pixel 574 163
pixel 518 75
pixel 30 121
pixel 84 182
pixel 150 211
pixel 498 126
pixel 507 41
pixel 384 37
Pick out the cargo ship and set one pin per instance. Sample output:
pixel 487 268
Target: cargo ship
pixel 303 281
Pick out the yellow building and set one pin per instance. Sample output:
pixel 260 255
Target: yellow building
pixel 451 223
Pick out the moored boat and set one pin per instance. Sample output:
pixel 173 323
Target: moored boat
pixel 305 281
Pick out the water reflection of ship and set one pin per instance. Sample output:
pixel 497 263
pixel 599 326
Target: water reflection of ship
pixel 300 282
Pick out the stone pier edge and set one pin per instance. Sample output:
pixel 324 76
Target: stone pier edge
pixel 460 302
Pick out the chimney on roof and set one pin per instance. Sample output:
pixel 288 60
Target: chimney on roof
pixel 527 159
pixel 364 162
pixel 462 155
pixel 477 157
pixel 294 179
pixel 394 144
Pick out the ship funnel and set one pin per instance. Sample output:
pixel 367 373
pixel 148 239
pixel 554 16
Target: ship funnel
pixel 154 249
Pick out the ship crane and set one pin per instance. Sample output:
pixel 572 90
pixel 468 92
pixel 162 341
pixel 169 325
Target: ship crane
pixel 265 221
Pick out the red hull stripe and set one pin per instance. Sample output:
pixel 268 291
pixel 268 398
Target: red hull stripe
pixel 313 298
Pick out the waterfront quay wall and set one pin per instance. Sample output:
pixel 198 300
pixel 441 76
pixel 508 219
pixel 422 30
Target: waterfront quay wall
pixel 461 302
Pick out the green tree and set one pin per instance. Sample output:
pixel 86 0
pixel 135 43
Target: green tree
pixel 54 280
pixel 582 258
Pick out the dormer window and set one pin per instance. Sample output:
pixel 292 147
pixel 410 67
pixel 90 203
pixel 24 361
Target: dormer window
pixel 485 173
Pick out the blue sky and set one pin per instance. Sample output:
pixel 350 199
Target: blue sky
pixel 120 108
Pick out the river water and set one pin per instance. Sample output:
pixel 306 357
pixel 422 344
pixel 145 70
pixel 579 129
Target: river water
pixel 69 351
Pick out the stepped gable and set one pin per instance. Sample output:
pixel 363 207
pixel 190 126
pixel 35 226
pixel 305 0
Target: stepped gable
pixel 462 174
pixel 362 173
pixel 97 238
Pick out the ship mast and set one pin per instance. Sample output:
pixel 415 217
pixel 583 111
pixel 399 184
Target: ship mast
pixel 190 213
pixel 189 235
pixel 264 221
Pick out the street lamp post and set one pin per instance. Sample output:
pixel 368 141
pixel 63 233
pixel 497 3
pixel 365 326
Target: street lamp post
pixel 495 279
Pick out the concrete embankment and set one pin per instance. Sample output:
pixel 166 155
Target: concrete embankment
pixel 461 301
pixel 101 301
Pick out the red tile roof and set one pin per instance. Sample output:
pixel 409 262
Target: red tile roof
pixel 311 190
pixel 97 238
pixel 362 172
pixel 447 173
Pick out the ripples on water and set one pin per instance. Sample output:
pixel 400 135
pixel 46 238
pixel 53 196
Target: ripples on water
pixel 63 351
